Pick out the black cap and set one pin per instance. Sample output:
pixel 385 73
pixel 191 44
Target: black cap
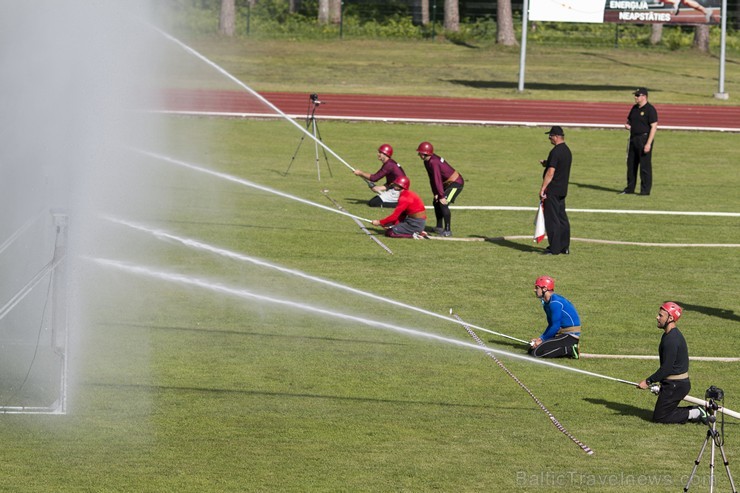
pixel 641 90
pixel 555 131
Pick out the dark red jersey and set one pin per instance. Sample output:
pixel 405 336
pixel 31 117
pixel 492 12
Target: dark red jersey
pixel 439 172
pixel 390 170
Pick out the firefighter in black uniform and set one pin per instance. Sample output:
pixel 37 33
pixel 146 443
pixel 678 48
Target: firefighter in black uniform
pixel 553 191
pixel 642 122
pixel 673 373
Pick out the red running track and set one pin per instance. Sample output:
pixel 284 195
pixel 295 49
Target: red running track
pixel 448 110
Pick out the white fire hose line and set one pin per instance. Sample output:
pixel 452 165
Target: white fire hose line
pixel 591 240
pixel 719 359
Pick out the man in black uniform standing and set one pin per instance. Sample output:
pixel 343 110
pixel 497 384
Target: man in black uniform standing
pixel 673 373
pixel 642 122
pixel 553 191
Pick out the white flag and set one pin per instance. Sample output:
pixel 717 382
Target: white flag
pixel 539 225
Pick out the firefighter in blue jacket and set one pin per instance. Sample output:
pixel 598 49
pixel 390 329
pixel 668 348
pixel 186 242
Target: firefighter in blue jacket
pixel 563 332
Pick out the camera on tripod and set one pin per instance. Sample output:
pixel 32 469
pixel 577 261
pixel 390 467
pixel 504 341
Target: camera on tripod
pixel 315 99
pixel 714 394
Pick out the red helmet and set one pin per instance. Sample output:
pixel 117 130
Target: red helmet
pixel 403 182
pixel 673 310
pixel 546 282
pixel 386 149
pixel 425 148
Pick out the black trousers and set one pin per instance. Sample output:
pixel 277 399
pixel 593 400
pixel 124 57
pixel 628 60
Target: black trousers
pixel 638 159
pixel 378 202
pixel 441 211
pixel 557 347
pixel 666 407
pixel 557 225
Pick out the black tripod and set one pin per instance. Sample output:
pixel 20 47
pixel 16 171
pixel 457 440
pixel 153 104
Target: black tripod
pixel 313 124
pixel 718 441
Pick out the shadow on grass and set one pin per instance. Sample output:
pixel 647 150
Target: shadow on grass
pixel 520 347
pixel 158 389
pixel 546 86
pixel 647 68
pixel 711 311
pixel 512 244
pixel 623 409
pixel 352 200
pixel 460 42
pixel 596 187
pixel 206 330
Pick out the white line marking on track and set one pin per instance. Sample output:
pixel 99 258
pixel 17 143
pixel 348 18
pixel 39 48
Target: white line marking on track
pixel 598 211
pixel 590 240
pixel 442 121
pixel 645 356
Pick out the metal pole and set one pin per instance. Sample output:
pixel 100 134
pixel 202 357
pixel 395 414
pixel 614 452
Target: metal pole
pixel 434 16
pixel 59 322
pixel 721 94
pixel 523 50
pixel 616 35
pixel 249 15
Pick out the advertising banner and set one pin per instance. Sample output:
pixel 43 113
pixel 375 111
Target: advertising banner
pixel 665 12
pixel 566 11
pixel 627 11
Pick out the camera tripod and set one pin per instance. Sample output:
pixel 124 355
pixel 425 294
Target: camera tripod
pixel 717 441
pixel 313 124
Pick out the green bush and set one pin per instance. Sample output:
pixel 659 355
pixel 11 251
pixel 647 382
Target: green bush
pixel 271 18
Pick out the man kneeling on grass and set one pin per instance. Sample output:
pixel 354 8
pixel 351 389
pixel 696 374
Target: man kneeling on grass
pixel 563 332
pixel 673 373
pixel 409 217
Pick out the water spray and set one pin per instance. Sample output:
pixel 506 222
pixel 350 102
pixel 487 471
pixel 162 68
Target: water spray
pixel 248 295
pixel 244 258
pixel 159 233
pixel 362 227
pixel 20 231
pixel 251 91
pixel 242 181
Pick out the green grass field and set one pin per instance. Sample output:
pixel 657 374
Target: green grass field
pixel 481 71
pixel 184 388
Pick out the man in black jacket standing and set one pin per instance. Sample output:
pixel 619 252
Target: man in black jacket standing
pixel 642 122
pixel 553 191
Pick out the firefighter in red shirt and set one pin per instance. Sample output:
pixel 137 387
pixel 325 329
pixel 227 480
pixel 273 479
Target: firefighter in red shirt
pixel 409 217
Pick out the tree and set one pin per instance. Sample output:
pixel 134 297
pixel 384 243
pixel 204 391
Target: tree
pixel 424 9
pixel 330 11
pixel 420 12
pixel 656 33
pixel 505 34
pixel 701 38
pixel 293 6
pixel 227 20
pixel 323 12
pixel 452 15
pixel 335 11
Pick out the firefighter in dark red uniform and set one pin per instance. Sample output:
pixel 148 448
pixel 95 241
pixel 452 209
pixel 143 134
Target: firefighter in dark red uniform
pixel 409 217
pixel 391 170
pixel 446 185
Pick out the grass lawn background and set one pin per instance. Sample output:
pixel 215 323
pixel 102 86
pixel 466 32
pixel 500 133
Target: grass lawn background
pixel 178 388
